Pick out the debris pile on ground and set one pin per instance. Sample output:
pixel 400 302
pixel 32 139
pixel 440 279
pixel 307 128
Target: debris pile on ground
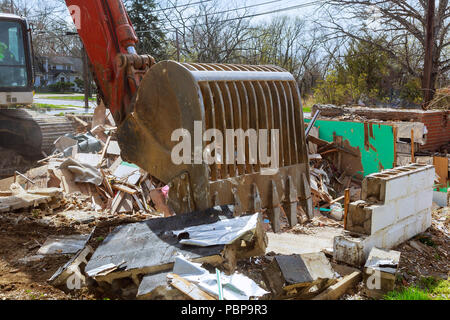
pixel 88 170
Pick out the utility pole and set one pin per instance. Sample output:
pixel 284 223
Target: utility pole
pixel 86 79
pixel 12 6
pixel 427 82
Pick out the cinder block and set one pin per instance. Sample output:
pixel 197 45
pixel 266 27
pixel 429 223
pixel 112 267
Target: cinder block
pixel 405 207
pixel 359 218
pixel 380 272
pixel 349 250
pixel 424 200
pixel 354 250
pixel 396 183
pixel 382 216
pixel 396 188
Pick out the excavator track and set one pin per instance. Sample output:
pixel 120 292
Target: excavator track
pixel 26 136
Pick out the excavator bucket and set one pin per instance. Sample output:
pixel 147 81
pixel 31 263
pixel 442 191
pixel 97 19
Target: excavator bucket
pixel 187 96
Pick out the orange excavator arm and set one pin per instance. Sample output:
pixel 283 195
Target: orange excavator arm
pixel 110 43
pixel 152 102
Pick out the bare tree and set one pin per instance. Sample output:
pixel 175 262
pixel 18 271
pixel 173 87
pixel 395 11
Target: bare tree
pixel 210 32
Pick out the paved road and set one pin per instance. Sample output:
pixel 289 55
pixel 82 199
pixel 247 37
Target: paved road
pixel 73 106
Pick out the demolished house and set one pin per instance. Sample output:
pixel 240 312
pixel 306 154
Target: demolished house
pixel 367 198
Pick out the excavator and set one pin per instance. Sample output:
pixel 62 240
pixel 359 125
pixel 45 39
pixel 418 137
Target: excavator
pixel 25 135
pixel 150 100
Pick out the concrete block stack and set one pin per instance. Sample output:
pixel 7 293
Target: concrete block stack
pixel 395 206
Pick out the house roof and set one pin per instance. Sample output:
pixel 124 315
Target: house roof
pixel 76 63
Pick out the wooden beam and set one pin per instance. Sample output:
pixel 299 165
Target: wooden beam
pixel 51 157
pixel 124 188
pixel 413 160
pixel 105 148
pixel 335 291
pixel 346 206
pixel 188 288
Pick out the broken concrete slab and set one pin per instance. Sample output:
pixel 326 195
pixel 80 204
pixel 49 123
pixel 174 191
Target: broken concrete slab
pixel 294 276
pixel 69 244
pixel 380 272
pixel 150 246
pixel 82 217
pixel 22 199
pixel 289 243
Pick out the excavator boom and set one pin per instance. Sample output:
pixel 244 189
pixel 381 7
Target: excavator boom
pixel 110 43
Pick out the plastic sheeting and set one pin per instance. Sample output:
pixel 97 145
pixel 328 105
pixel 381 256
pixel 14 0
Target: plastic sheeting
pixel 235 287
pixel 220 233
pixel 84 173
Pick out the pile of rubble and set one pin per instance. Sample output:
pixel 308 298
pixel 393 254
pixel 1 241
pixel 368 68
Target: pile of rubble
pixel 90 174
pixel 209 255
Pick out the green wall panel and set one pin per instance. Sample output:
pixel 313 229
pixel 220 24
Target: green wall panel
pixel 375 141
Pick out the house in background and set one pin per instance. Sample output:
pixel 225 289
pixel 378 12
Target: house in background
pixel 50 70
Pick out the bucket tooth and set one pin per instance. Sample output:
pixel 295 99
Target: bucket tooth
pixel 307 201
pixel 275 212
pixel 237 203
pixel 257 207
pixel 290 206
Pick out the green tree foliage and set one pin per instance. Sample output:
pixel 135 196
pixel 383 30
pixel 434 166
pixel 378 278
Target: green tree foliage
pixel 143 19
pixel 362 75
pixel 61 87
pixel 411 91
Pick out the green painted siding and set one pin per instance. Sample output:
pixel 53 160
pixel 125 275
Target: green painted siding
pixel 354 132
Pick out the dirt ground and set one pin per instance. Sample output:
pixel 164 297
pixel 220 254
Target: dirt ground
pixel 22 234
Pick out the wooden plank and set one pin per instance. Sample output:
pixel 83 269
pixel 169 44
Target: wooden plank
pixel 139 203
pixel 319 141
pixel 105 148
pixel 106 183
pixel 124 188
pixel 441 165
pixel 116 202
pixel 335 291
pixel 51 157
pixel 188 288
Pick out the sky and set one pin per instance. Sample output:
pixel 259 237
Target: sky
pixel 256 7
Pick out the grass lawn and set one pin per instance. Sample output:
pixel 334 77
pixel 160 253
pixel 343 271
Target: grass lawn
pixel 306 109
pixel 427 289
pixel 74 98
